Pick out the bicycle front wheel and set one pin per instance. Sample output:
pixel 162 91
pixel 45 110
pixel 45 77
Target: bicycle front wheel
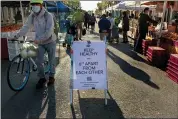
pixel 18 73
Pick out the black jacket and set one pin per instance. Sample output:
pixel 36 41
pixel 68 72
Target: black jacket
pixel 144 21
pixel 125 26
pixel 104 24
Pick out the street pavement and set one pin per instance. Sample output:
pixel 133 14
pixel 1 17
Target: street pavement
pixel 136 90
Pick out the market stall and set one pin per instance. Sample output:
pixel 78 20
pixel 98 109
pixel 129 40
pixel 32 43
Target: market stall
pixel 167 31
pixel 8 24
pixel 167 39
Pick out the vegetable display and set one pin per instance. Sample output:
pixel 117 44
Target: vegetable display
pixel 11 28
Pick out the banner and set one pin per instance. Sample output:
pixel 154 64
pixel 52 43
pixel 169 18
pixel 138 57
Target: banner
pixel 89 65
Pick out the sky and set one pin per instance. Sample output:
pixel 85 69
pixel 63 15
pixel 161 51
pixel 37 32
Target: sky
pixel 89 5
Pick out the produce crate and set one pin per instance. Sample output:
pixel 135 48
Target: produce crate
pixel 172 77
pixel 157 51
pixel 145 45
pixel 172 67
pixel 174 58
pixel 156 56
pixel 13 49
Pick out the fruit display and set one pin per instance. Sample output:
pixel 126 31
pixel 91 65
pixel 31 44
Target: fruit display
pixel 133 23
pixel 170 35
pixel 11 28
pixel 151 28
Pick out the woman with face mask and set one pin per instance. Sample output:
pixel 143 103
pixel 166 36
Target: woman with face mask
pixel 43 24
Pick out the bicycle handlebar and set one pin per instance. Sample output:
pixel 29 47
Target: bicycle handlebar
pixel 14 40
pixel 20 41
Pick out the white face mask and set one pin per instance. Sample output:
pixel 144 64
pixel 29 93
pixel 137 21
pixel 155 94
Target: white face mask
pixel 36 9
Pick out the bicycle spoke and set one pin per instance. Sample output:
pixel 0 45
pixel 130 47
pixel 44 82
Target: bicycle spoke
pixel 22 66
pixel 18 65
pixel 18 73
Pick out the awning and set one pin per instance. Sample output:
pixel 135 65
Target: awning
pixel 60 7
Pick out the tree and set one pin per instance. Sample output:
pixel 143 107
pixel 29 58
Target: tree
pixel 98 12
pixel 74 4
pixel 99 5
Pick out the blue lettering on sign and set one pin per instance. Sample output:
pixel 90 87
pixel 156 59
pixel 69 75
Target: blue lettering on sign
pixel 88 52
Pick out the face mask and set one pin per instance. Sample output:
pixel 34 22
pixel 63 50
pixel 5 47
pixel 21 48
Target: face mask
pixel 36 9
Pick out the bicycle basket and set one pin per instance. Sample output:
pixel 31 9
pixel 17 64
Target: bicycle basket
pixel 28 50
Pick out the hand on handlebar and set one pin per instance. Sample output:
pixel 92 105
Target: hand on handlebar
pixel 13 38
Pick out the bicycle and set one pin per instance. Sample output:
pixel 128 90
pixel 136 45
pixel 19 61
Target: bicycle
pixel 22 67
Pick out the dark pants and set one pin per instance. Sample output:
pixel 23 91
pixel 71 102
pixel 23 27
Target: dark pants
pixel 109 35
pixel 125 38
pixel 86 24
pixel 138 46
pixel 50 48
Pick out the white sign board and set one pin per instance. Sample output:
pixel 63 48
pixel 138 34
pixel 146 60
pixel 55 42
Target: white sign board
pixel 89 65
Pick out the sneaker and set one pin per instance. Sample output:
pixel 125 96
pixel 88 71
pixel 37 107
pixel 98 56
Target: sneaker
pixel 51 80
pixel 41 83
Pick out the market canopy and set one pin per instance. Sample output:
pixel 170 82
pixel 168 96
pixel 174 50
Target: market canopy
pixel 14 3
pixel 50 3
pixel 59 6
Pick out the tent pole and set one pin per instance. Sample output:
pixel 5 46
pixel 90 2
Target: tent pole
pixel 57 17
pixel 22 11
pixel 162 20
pixel 171 14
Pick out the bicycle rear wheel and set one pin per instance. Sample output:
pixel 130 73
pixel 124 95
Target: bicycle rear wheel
pixel 18 73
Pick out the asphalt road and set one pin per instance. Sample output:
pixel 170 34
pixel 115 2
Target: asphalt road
pixel 136 90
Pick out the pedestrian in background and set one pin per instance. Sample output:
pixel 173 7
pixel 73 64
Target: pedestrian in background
pixel 111 19
pixel 79 19
pixel 86 20
pixel 104 26
pixel 125 26
pixel 93 21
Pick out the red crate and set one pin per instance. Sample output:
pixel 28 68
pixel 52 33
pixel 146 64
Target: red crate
pixel 146 42
pixel 156 60
pixel 172 63
pixel 176 43
pixel 172 77
pixel 156 51
pixel 173 67
pixel 154 42
pixel 171 70
pixel 174 58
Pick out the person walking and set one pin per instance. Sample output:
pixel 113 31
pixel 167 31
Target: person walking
pixel 111 19
pixel 144 21
pixel 104 26
pixel 79 19
pixel 45 38
pixel 125 26
pixel 86 20
pixel 93 21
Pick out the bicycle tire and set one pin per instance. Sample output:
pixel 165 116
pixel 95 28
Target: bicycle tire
pixel 26 76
